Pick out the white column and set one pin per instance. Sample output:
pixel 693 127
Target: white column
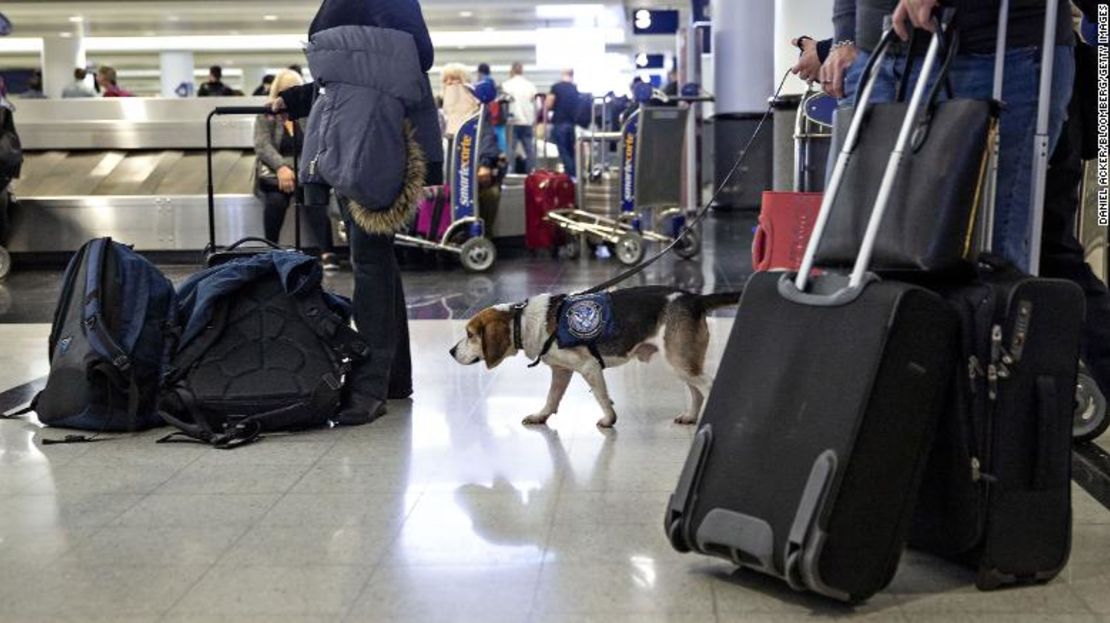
pixel 743 44
pixel 252 77
pixel 794 18
pixel 60 56
pixel 177 67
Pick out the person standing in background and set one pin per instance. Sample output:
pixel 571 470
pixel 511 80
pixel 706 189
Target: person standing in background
pixel 264 88
pixel 109 87
pixel 277 143
pixel 563 103
pixel 34 88
pixel 215 86
pixel 522 115
pixel 79 87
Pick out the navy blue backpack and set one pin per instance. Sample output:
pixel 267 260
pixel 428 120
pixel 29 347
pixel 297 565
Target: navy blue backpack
pixel 111 338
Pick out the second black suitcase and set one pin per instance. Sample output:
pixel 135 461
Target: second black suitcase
pixel 808 459
pixel 997 492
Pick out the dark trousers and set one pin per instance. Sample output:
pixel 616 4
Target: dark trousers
pixel 1062 256
pixel 277 204
pixel 381 316
pixel 564 137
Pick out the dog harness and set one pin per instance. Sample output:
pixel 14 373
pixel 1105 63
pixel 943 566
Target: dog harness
pixel 583 320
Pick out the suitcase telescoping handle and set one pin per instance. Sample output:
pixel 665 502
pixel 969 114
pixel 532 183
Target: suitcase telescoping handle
pixel 859 272
pixel 218 112
pixel 1040 140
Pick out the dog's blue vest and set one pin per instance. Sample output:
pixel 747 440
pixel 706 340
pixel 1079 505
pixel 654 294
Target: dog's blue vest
pixel 583 320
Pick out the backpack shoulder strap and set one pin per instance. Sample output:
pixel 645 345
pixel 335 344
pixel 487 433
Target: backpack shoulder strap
pixel 93 318
pixel 238 432
pixel 332 329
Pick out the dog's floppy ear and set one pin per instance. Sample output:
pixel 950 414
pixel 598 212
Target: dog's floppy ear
pixel 496 339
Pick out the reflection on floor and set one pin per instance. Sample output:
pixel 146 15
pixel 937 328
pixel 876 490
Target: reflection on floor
pixel 437 288
pixel 446 510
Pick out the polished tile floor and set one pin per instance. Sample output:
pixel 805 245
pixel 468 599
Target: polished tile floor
pixel 445 510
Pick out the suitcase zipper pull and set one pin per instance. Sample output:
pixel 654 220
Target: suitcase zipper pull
pixel 996 343
pixel 977 473
pixel 992 382
pixel 974 371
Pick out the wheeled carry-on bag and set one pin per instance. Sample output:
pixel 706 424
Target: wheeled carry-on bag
pixel 544 192
pixel 807 462
pixel 252 245
pixel 997 492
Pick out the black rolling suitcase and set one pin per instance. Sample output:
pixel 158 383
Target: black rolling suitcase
pixel 252 245
pixel 808 460
pixel 997 492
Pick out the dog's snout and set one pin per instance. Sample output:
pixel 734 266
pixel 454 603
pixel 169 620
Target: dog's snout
pixel 454 349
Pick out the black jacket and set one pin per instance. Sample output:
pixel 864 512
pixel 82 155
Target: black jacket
pixel 402 15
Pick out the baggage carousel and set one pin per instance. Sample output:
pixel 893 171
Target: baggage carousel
pixel 134 169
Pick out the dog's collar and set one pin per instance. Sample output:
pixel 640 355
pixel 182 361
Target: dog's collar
pixel 518 317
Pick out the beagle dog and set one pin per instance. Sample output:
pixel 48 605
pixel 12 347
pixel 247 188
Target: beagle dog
pixel 641 323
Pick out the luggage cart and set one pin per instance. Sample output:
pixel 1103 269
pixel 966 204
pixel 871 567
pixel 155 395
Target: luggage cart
pixel 648 205
pixel 812 141
pixel 466 236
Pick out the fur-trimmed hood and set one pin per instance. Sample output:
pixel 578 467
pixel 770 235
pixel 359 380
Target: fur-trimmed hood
pixel 400 214
pixel 369 135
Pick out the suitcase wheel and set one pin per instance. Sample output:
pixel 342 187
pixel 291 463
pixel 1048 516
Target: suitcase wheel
pixel 1091 419
pixel 793 571
pixel 674 534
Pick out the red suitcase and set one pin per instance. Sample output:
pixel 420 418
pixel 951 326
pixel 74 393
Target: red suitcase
pixel 785 224
pixel 545 191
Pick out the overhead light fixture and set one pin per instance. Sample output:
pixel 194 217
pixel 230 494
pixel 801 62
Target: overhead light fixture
pixel 488 29
pixel 65 35
pixel 466 13
pixel 270 18
pixel 568 11
pixel 76 19
pixel 173 18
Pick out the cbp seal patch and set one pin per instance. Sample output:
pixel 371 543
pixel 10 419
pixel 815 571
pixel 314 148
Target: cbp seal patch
pixel 585 319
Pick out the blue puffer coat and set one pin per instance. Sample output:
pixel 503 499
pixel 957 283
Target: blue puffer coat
pixel 368 122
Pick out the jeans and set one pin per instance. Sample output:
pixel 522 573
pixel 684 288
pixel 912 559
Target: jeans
pixel 277 204
pixel 972 76
pixel 525 135
pixel 381 316
pixel 564 135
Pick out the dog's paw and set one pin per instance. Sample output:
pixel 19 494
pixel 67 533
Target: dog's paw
pixel 686 419
pixel 607 422
pixel 538 419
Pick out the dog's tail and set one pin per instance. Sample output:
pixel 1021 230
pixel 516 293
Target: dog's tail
pixel 717 300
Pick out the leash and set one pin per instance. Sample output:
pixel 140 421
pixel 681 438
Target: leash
pixel 703 212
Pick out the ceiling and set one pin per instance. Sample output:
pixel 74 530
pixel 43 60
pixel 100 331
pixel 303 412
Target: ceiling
pixel 36 18
pixel 467 20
